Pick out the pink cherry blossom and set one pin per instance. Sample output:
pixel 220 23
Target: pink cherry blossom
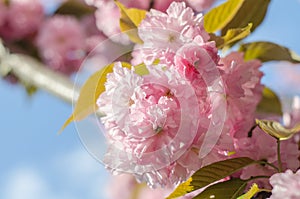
pixel 162 5
pixel 243 91
pixel 61 43
pixel 197 5
pixel 161 193
pixel 197 63
pixel 107 20
pixel 125 186
pixel 158 193
pixel 3 11
pixel 108 15
pixel 222 149
pixel 93 36
pixel 200 5
pixel 165 33
pixel 147 119
pixel 192 59
pixel 241 84
pixel 120 85
pixel 141 4
pixel 23 17
pixel 121 186
pixel 285 185
pixel 179 19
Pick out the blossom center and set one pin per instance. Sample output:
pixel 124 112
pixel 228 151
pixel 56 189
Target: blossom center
pixel 171 38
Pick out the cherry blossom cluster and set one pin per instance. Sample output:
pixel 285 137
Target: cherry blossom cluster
pixel 63 41
pixel 191 106
pixel 158 125
pixel 285 185
pixel 20 18
pixel 107 9
pixel 60 41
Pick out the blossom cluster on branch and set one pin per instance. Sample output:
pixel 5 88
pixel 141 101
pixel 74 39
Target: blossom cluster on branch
pixel 60 41
pixel 184 114
pixel 149 139
pixel 189 109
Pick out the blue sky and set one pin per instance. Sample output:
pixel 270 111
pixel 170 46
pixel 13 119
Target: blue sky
pixel 37 163
pixel 31 149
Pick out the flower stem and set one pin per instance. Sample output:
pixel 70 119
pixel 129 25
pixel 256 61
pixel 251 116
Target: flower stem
pixel 269 164
pixel 265 190
pixel 256 177
pixel 279 156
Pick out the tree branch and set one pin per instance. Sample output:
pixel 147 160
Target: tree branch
pixel 32 72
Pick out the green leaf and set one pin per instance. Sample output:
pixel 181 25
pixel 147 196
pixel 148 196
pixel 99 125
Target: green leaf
pixel 234 35
pixel 253 190
pixel 231 37
pixel 230 189
pixel 220 16
pixel 31 90
pixel 267 51
pixel 182 189
pixel 251 11
pixel 210 174
pixel 270 103
pixel 141 69
pixel 76 8
pixel 276 130
pixel 130 20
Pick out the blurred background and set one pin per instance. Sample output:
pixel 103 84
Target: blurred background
pixel 38 163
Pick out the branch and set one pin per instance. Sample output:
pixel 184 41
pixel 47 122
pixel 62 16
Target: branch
pixel 29 70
